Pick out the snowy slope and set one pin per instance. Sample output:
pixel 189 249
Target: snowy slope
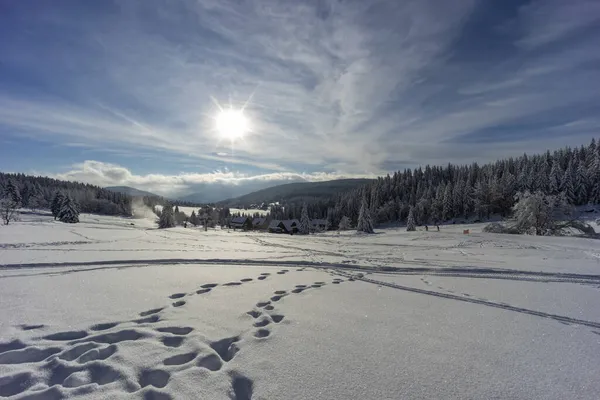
pixel 106 309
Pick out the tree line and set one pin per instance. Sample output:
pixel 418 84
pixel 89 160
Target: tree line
pixel 436 194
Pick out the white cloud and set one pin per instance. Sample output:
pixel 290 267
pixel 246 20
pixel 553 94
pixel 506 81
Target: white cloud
pixel 106 174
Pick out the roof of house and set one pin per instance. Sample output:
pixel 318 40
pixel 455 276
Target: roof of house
pixel 274 224
pixel 289 223
pixel 239 220
pixel 258 221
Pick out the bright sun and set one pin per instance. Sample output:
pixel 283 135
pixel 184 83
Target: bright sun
pixel 231 124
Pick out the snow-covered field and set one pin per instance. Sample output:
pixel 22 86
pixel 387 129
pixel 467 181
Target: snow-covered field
pixel 107 309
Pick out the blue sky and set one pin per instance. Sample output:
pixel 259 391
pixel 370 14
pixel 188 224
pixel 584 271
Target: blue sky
pixel 123 92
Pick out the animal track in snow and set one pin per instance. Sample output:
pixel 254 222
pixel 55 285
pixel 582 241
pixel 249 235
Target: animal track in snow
pixel 262 304
pixel 180 359
pixel 212 362
pixel 98 354
pixel 155 377
pixel 68 335
pixel 277 318
pixel 232 284
pixel 147 320
pixel 150 312
pixel 262 333
pixel 176 330
pixel 254 313
pixel 178 303
pixel 262 278
pixel 27 355
pixel 242 388
pixel 26 327
pixel 105 326
pixel 114 337
pixel 276 298
pixel 262 323
pixel 15 384
pixel 269 307
pixel 246 279
pixel 226 348
pixel 156 395
pixel 12 345
pixel 280 292
pixel 75 352
pixel 176 296
pixel 209 285
pixel 202 291
pixel 172 341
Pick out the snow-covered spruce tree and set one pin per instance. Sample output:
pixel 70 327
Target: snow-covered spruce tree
pixel 56 204
pixel 447 205
pixel 194 218
pixel 69 212
pixel 13 193
pixel 166 220
pixel 410 222
pixel 566 185
pixel 365 224
pixel 304 228
pixel 344 224
pixel 555 178
pixel 581 184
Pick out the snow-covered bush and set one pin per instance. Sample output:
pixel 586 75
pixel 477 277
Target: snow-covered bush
pixel 344 224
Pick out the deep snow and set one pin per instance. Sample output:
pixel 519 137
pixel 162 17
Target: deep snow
pixel 106 309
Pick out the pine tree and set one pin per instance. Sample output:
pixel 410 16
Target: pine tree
pixel 594 176
pixel 566 184
pixel 56 205
pixel 410 222
pixel 554 179
pixel 344 224
pixel 304 228
pixel 166 220
pixel 13 193
pixel 69 212
pixel 364 218
pixel 194 218
pixel 448 203
pixel 581 184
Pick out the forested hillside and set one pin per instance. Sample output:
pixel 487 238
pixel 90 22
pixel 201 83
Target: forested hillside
pixel 38 192
pixel 473 191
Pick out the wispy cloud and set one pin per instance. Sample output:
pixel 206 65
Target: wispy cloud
pixel 106 174
pixel 348 87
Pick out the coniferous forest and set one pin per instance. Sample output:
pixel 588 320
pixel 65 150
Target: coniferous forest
pixel 460 192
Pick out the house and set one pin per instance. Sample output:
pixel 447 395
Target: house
pixel 318 225
pixel 274 226
pixel 244 223
pixel 260 224
pixel 290 225
pixel 284 226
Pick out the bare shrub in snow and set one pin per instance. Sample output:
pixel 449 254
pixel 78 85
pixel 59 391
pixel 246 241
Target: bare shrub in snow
pixel 8 210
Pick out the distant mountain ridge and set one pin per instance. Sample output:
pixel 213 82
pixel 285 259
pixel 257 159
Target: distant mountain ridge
pixel 130 191
pixel 297 191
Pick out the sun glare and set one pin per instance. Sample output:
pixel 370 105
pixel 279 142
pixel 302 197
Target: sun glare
pixel 231 124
